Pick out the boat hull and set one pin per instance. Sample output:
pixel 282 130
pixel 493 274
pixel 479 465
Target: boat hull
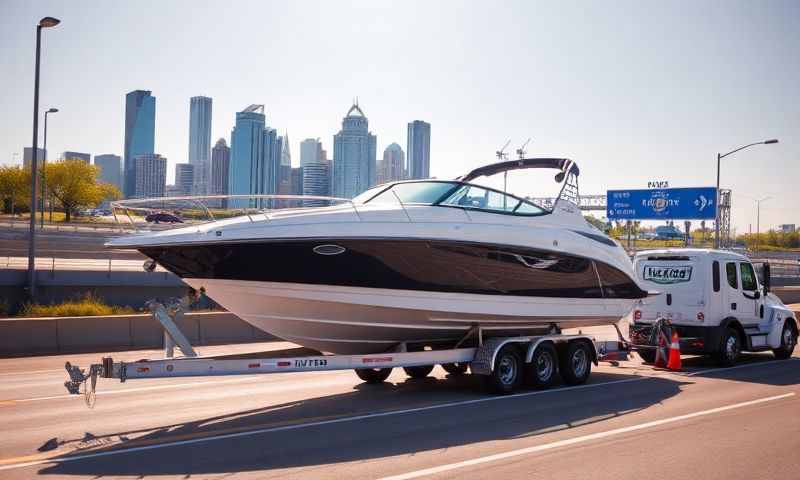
pixel 355 320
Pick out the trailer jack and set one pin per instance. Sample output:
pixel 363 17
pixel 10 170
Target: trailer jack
pixel 78 377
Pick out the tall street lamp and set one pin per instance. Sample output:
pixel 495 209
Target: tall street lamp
pixel 720 157
pixel 46 22
pixel 44 166
pixel 758 219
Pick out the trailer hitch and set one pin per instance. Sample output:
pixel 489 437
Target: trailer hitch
pixel 78 377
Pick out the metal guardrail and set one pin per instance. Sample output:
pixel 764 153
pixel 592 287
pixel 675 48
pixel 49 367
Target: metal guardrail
pixel 53 264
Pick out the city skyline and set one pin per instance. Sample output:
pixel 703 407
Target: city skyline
pixel 200 114
pixel 634 88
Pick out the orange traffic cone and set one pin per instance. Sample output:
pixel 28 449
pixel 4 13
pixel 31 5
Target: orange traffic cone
pixel 660 351
pixel 674 362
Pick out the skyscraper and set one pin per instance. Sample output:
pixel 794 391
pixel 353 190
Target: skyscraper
pixel 150 176
pixel 316 169
pixel 220 165
pixel 200 142
pixel 110 168
pixel 140 132
pixel 86 157
pixel 392 167
pixel 27 156
pixel 285 168
pixel 184 178
pixel 419 149
pixel 255 154
pixel 354 149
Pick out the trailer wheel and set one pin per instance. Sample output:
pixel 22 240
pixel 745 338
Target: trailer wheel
pixel 788 342
pixel 373 375
pixel 543 369
pixel 455 368
pixel 576 365
pixel 729 348
pixel 421 371
pixel 648 355
pixel 507 373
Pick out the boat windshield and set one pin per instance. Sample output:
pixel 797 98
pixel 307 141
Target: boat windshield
pixel 449 194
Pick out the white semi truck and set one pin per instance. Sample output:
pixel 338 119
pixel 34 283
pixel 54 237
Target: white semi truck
pixel 715 301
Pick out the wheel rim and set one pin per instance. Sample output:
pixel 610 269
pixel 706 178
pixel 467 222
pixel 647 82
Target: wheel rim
pixel 788 339
pixel 507 369
pixel 731 347
pixel 544 366
pixel 579 362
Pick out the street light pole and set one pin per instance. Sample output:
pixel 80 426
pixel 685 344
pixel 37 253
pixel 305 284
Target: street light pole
pixel 44 165
pixel 758 220
pixel 46 22
pixel 720 157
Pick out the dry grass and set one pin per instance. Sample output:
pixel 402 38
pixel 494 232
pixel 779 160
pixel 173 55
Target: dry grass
pixel 87 306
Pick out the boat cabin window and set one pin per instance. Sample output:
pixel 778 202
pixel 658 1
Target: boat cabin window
pixel 450 194
pixel 474 197
pixel 426 193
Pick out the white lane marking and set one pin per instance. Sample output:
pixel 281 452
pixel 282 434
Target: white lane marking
pixel 30 372
pixel 581 439
pixel 737 367
pixel 316 424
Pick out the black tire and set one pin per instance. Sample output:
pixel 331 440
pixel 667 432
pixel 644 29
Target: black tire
pixel 543 369
pixel 373 375
pixel 507 373
pixel 455 368
pixel 576 365
pixel 648 355
pixel 729 348
pixel 421 371
pixel 788 342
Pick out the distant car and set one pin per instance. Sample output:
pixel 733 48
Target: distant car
pixel 668 232
pixel 165 217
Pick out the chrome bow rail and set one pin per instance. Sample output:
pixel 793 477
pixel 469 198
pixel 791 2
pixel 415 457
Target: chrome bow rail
pixel 168 212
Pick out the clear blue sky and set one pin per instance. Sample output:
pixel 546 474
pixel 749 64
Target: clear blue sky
pixel 631 90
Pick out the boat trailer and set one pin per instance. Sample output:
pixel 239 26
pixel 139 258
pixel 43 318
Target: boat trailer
pixel 500 359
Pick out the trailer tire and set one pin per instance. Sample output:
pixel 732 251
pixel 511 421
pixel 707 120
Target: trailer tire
pixel 455 368
pixel 788 342
pixel 543 369
pixel 576 365
pixel 507 373
pixel 373 375
pixel 421 371
pixel 729 348
pixel 647 355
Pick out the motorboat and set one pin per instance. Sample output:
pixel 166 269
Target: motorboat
pixel 407 265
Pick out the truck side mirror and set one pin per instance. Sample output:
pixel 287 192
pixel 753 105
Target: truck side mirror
pixel 766 277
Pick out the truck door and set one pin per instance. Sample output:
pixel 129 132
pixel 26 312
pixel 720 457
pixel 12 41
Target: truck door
pixel 733 294
pixel 751 295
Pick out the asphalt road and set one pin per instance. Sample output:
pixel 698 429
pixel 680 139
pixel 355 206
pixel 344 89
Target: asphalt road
pixel 83 243
pixel 627 422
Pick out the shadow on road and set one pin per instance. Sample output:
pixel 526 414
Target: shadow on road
pixel 491 418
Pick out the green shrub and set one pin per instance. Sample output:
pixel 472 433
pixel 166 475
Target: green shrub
pixel 87 306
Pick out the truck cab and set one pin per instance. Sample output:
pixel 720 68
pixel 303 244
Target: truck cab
pixel 716 302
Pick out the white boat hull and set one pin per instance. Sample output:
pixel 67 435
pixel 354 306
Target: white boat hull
pixel 350 320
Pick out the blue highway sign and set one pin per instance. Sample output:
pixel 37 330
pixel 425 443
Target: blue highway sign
pixel 662 204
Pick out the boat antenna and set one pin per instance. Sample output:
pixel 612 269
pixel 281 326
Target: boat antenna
pixel 501 154
pixel 521 150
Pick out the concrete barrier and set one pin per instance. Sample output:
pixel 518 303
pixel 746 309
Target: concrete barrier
pixel 37 336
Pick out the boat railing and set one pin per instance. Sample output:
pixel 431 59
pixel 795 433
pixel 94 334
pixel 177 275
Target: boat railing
pixel 161 213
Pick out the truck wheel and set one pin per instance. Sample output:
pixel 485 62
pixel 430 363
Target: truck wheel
pixel 648 355
pixel 576 365
pixel 543 369
pixel 455 368
pixel 421 371
pixel 373 375
pixel 507 373
pixel 788 342
pixel 729 348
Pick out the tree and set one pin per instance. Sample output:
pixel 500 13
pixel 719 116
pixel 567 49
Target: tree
pixel 15 186
pixel 73 183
